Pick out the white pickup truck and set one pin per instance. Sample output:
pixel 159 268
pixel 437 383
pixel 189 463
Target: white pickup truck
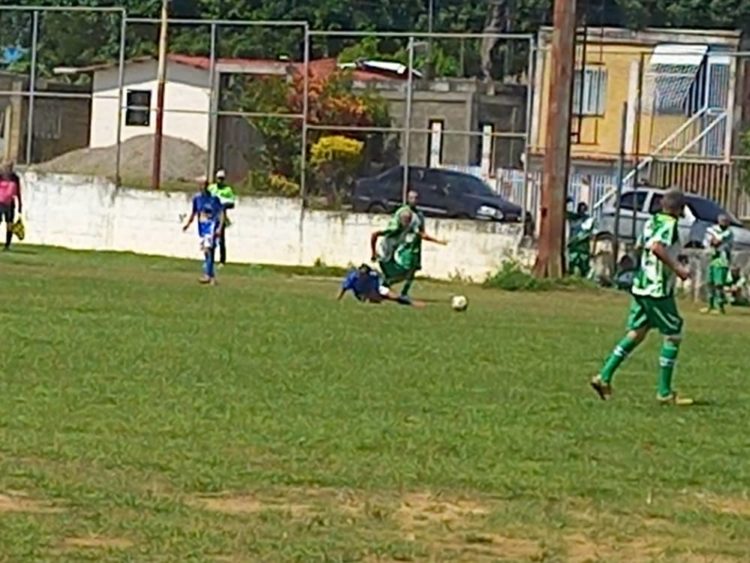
pixel 637 205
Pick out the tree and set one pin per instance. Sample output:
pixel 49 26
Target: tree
pixel 332 102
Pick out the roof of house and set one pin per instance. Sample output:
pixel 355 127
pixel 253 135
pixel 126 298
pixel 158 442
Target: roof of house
pixel 319 68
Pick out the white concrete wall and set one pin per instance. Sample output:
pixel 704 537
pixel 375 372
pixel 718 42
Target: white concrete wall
pixel 187 89
pixel 87 213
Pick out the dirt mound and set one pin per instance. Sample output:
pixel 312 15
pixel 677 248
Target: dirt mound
pixel 181 160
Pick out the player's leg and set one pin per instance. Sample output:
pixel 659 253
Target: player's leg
pixel 638 326
pixel 223 248
pixel 722 275
pixel 585 265
pixel 386 294
pixel 667 319
pixel 7 216
pixel 408 283
pixel 711 290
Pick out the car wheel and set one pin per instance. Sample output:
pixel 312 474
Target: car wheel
pixel 378 208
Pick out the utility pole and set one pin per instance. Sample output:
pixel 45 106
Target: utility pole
pixel 161 74
pixel 550 261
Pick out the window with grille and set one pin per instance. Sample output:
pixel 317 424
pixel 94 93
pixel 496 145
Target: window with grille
pixel 138 112
pixel 590 97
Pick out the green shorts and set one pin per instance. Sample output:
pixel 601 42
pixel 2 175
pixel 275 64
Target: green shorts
pixel 655 312
pixel 718 276
pixel 393 272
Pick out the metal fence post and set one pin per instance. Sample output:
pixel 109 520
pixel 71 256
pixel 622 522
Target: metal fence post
pixel 305 117
pixel 620 178
pixel 407 118
pixel 527 138
pixel 32 85
pixel 212 107
pixel 120 86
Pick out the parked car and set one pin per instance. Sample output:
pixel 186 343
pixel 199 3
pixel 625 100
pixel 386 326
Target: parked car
pixel 442 193
pixel 639 204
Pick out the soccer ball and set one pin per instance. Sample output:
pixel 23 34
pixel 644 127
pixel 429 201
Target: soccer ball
pixel 459 303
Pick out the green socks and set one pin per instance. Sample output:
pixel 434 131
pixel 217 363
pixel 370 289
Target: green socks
pixel 407 287
pixel 618 355
pixel 667 360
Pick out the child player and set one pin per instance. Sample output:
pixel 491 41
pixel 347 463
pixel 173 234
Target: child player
pixel 210 213
pixel 653 304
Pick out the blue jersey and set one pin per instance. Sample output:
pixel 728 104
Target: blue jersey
pixel 363 287
pixel 208 209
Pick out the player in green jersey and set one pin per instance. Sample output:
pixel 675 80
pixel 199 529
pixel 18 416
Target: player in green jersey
pixel 719 240
pixel 653 305
pixel 579 241
pixel 401 252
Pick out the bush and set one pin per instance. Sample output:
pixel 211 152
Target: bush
pixel 334 160
pixel 512 277
pixel 259 182
pixel 283 186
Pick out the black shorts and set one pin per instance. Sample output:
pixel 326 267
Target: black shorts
pixel 7 213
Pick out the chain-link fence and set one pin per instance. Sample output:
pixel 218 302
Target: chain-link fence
pixel 414 101
pixel 282 109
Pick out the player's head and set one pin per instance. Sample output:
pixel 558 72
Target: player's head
pixel 221 176
pixel 405 218
pixel 735 271
pixel 724 221
pixel 412 197
pixel 583 209
pixel 364 270
pixel 673 202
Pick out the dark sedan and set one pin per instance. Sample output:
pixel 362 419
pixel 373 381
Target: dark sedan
pixel 442 193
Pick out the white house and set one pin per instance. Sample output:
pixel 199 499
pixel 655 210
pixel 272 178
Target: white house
pixel 187 97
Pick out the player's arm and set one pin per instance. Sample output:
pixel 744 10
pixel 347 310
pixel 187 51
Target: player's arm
pixel 374 244
pixel 222 220
pixel 18 194
pixel 190 220
pixel 428 238
pixel 660 251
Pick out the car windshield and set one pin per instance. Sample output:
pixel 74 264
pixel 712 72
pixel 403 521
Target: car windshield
pixel 707 210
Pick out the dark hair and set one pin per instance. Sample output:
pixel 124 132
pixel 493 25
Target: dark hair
pixel 673 200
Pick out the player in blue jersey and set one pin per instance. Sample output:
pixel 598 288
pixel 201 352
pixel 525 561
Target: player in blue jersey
pixel 209 211
pixel 367 286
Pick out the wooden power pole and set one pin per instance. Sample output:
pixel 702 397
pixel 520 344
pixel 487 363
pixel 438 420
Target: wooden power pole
pixel 550 261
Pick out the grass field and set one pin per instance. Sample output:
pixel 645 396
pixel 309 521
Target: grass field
pixel 145 418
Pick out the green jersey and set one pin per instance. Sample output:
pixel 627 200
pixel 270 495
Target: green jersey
pixel 402 244
pixel 224 192
pixel 721 255
pixel 654 278
pixel 581 229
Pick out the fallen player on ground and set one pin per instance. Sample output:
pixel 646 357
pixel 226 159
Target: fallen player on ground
pixel 366 286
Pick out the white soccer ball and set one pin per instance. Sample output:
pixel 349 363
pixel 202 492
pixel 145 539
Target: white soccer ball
pixel 459 303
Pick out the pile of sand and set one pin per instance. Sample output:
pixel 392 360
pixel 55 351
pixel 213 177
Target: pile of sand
pixel 180 161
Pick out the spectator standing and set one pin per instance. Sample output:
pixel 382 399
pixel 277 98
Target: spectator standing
pixel 10 196
pixel 228 199
pixel 719 240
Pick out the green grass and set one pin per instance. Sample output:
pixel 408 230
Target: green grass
pixel 145 418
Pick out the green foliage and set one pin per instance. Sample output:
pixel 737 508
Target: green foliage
pixel 331 101
pixel 513 277
pixel 743 166
pixel 335 160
